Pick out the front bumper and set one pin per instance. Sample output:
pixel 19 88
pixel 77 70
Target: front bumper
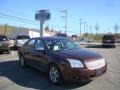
pixel 78 75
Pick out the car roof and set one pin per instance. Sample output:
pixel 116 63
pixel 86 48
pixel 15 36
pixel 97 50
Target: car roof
pixel 108 35
pixel 49 38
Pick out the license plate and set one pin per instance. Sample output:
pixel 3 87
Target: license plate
pixel 99 71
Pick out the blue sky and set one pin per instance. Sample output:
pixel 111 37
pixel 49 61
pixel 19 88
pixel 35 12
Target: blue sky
pixel 104 12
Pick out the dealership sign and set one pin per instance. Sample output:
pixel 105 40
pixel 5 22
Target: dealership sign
pixel 42 15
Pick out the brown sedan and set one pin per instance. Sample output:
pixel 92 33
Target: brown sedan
pixel 61 59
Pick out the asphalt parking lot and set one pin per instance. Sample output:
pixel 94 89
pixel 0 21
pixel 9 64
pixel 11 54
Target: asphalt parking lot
pixel 12 77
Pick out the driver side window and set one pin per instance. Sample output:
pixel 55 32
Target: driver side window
pixel 30 44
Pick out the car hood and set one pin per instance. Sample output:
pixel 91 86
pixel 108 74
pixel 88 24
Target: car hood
pixel 79 54
pixel 22 41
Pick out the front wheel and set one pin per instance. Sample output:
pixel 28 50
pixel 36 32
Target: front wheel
pixel 22 61
pixel 55 75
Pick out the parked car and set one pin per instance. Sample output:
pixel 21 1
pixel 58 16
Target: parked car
pixel 4 44
pixel 20 40
pixel 108 40
pixel 61 35
pixel 12 42
pixel 86 40
pixel 62 59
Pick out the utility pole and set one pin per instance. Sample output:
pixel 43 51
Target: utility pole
pixel 5 29
pixel 84 27
pixel 90 29
pixel 65 11
pixel 80 26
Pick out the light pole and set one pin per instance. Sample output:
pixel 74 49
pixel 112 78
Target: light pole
pixel 65 11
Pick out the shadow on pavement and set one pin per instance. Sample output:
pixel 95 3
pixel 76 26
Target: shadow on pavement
pixel 98 46
pixel 94 46
pixel 30 78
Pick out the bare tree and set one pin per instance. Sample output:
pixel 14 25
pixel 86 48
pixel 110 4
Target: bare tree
pixel 47 28
pixel 97 27
pixel 116 28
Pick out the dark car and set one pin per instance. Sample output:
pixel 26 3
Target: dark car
pixel 62 59
pixel 108 40
pixel 61 35
pixel 4 44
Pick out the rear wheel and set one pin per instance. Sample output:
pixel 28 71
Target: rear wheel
pixel 114 46
pixel 1 52
pixel 103 46
pixel 8 51
pixel 54 74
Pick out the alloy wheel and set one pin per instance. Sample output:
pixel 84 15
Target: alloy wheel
pixel 54 74
pixel 22 62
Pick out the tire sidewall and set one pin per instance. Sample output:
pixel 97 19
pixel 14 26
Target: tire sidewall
pixel 22 61
pixel 60 79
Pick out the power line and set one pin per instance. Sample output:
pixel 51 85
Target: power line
pixel 18 20
pixel 16 17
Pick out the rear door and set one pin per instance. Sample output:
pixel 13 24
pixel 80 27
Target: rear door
pixel 28 50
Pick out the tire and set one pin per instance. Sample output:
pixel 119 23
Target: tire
pixel 103 46
pixel 114 46
pixel 1 52
pixel 22 61
pixel 8 51
pixel 54 74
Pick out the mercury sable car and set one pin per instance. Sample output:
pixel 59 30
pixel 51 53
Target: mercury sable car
pixel 62 59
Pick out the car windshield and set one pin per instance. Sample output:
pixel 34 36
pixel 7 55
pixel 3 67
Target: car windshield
pixel 107 37
pixel 60 44
pixel 3 38
pixel 23 37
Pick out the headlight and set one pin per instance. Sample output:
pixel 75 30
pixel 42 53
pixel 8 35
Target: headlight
pixel 95 64
pixel 75 63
